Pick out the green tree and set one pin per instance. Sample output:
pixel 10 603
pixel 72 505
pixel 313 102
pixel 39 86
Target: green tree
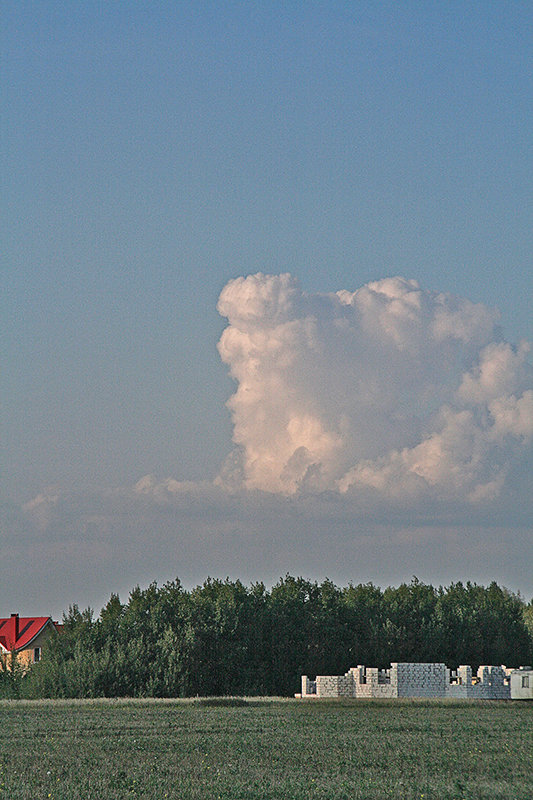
pixel 409 622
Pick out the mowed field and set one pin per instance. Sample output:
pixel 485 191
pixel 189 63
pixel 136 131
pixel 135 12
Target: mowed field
pixel 261 749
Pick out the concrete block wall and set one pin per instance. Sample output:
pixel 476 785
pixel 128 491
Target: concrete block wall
pixel 464 674
pixel 455 685
pixel 308 687
pixel 495 676
pixel 420 680
pixel 458 691
pixel 334 685
pixel 384 690
pixel 459 683
pixel 412 680
pixel 491 684
pixel 371 682
pixel 372 676
pixel 358 674
pixel 363 690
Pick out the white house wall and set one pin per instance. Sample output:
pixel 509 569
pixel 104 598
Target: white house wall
pixel 518 690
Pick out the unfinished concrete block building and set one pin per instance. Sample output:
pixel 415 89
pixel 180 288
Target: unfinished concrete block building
pixel 414 680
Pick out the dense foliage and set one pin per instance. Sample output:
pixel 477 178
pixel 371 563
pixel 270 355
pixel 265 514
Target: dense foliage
pixel 224 638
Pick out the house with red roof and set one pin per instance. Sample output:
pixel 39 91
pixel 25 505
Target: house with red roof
pixel 24 637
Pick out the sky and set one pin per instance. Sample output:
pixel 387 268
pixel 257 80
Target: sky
pixel 266 275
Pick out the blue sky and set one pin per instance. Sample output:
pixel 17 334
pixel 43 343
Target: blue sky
pixel 155 151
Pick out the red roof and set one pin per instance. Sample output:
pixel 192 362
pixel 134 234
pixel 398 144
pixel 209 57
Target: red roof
pixel 16 632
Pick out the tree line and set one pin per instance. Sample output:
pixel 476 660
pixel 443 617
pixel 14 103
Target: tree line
pixel 224 638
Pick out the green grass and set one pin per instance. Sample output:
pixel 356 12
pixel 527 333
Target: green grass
pixel 261 750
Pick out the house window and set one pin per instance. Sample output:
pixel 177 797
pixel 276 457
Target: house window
pixel 36 654
pixel 525 681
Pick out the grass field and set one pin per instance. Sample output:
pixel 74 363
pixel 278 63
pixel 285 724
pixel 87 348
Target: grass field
pixel 257 750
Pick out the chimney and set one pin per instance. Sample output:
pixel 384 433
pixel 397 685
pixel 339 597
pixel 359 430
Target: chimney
pixel 15 618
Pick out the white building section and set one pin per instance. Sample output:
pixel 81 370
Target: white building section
pixel 423 680
pixel 522 684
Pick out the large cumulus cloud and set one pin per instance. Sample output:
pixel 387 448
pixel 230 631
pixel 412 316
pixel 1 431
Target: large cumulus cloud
pixel 391 389
pixel 379 433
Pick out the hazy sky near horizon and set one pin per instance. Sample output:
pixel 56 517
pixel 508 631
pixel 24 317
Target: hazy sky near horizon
pixel 284 162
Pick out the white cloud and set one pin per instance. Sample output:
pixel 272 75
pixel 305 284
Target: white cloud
pixel 512 416
pixel 502 370
pixel 390 387
pixel 41 506
pixel 379 433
